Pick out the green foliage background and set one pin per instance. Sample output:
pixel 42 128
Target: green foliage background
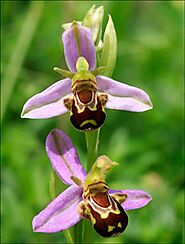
pixel 147 145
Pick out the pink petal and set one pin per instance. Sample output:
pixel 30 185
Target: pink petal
pixel 78 41
pixel 63 157
pixel 122 96
pixel 136 198
pixel 61 213
pixel 48 103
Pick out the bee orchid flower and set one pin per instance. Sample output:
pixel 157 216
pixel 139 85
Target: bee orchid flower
pixel 88 196
pixel 85 93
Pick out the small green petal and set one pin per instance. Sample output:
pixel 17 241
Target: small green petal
pixel 98 71
pixel 65 73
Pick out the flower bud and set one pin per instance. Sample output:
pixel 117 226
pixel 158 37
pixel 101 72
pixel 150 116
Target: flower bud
pixel 109 51
pixel 93 20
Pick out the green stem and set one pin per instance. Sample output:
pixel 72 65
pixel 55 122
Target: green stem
pixel 68 233
pixel 19 52
pixel 92 141
pixel 79 232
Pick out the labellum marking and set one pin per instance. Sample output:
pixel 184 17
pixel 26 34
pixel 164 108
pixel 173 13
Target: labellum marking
pixel 93 122
pixel 119 224
pixel 106 213
pixel 110 228
pixel 85 106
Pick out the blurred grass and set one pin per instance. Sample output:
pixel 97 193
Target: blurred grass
pixel 147 145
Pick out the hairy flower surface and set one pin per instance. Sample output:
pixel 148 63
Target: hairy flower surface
pixel 84 93
pixel 88 195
